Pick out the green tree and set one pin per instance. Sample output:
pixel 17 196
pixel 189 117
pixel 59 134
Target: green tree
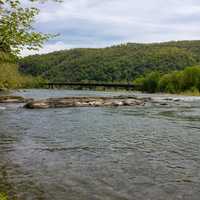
pixel 16 30
pixel 150 82
pixel 171 82
pixel 16 33
pixel 121 63
pixel 191 78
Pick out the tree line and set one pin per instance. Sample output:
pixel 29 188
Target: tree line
pixel 184 81
pixel 121 63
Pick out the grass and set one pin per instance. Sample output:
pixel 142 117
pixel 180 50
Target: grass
pixel 3 196
pixel 190 93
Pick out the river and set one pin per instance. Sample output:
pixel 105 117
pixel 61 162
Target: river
pixel 147 152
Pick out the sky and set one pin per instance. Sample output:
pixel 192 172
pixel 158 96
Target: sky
pixel 101 23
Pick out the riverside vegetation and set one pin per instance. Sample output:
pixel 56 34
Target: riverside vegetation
pixel 157 67
pixel 11 78
pixel 186 81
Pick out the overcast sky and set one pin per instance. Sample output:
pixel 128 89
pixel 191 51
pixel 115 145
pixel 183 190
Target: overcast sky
pixel 100 23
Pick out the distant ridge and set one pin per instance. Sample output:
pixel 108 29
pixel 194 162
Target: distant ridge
pixel 119 63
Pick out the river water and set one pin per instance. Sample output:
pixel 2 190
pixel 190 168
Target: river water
pixel 147 152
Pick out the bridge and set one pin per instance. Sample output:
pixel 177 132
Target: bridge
pixel 127 86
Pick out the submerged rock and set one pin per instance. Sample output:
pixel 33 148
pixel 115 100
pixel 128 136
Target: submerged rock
pixel 14 99
pixel 164 104
pixel 84 102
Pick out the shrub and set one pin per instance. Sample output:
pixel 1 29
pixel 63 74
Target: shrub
pixel 173 82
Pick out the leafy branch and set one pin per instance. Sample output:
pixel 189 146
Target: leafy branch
pixel 16 27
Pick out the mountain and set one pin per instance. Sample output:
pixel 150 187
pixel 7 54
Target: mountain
pixel 119 63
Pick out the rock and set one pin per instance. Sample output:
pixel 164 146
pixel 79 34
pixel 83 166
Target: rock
pixel 82 102
pixel 14 99
pixel 163 104
pixel 42 105
pixel 168 99
pixel 117 103
pixel 128 102
pixel 171 99
pixel 146 99
pixel 139 102
pixel 98 103
pixel 108 103
pixel 78 104
pixel 177 100
pixel 126 97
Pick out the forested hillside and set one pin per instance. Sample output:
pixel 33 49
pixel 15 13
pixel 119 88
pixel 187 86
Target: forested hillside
pixel 120 63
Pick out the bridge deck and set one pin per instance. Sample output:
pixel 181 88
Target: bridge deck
pixel 113 85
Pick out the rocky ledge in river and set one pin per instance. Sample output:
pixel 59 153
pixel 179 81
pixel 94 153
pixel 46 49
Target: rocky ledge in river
pixel 86 102
pixel 14 99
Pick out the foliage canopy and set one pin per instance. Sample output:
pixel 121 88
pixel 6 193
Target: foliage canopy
pixel 172 82
pixel 122 63
pixel 16 30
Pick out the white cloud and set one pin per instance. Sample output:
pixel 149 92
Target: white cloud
pixel 46 49
pixel 102 22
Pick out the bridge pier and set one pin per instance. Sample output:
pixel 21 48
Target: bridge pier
pixel 51 86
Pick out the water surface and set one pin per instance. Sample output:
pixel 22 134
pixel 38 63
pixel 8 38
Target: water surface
pixel 124 153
